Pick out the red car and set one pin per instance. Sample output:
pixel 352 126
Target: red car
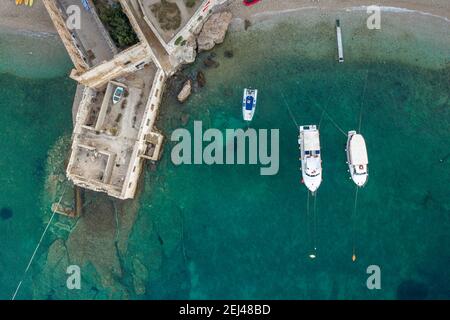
pixel 249 3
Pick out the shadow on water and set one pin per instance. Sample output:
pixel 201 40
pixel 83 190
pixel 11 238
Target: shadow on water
pixel 6 213
pixel 39 168
pixel 412 290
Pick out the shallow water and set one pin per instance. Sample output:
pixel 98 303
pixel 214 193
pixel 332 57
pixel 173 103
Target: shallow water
pixel 227 232
pixel 36 110
pixel 32 55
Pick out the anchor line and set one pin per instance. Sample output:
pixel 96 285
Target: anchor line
pixel 37 246
pixel 182 235
pixel 335 124
pixel 290 111
pixel 328 102
pixel 315 221
pixel 308 228
pixel 321 118
pixel 362 102
pixel 332 120
pixel 353 218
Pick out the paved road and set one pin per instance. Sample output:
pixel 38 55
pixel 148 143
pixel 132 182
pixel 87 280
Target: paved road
pixel 90 35
pixel 152 39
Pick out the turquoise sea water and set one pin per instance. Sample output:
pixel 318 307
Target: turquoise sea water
pixel 225 231
pixel 235 234
pixel 35 104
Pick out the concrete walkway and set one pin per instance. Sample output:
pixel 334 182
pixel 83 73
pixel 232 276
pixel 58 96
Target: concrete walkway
pixel 90 35
pixel 137 19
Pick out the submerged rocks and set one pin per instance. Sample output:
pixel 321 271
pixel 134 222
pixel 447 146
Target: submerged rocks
pixel 152 166
pixel 412 290
pixel 214 31
pixel 247 24
pixel 185 92
pixel 201 80
pixel 210 62
pixel 228 54
pixel 6 213
pixel 140 275
pixel 184 119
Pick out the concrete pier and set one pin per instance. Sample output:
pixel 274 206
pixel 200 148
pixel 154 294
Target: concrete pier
pixel 339 41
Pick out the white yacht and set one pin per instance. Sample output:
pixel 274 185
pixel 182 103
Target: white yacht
pixel 310 157
pixel 357 158
pixel 249 103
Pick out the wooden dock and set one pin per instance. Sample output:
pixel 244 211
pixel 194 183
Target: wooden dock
pixel 70 212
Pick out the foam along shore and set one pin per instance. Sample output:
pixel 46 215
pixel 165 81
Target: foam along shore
pixel 431 27
pixel 269 8
pixel 36 18
pixel 275 11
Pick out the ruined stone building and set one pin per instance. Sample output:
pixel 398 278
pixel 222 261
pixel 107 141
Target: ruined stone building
pixel 120 91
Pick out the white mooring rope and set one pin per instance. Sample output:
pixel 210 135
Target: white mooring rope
pixel 37 247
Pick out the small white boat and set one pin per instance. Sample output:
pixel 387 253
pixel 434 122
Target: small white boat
pixel 357 158
pixel 310 157
pixel 118 94
pixel 249 103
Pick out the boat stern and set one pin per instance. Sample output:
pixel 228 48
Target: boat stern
pixel 247 115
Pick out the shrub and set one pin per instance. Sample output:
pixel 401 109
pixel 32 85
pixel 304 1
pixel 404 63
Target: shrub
pixel 190 3
pixel 178 40
pixel 117 23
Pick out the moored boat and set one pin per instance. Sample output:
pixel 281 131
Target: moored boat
pixel 311 159
pixel 249 104
pixel 118 93
pixel 357 158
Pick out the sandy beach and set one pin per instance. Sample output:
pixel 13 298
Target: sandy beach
pixel 36 19
pixel 271 7
pixel 23 18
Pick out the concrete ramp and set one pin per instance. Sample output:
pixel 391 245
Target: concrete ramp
pixel 127 61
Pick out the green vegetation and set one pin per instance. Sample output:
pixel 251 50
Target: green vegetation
pixel 168 15
pixel 117 23
pixel 190 3
pixel 178 40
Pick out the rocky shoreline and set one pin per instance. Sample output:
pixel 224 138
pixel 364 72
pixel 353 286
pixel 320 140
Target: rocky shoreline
pixel 208 35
